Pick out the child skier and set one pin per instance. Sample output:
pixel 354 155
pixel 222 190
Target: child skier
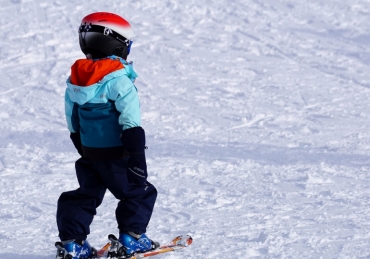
pixel 103 116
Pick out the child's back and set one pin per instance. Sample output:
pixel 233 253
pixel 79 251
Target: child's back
pixel 103 116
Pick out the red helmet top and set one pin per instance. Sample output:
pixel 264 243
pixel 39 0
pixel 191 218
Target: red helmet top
pixel 103 34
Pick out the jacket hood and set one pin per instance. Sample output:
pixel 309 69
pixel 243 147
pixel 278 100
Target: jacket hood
pixel 87 76
pixel 85 72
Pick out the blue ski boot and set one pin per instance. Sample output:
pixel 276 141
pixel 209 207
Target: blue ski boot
pixel 129 244
pixel 73 249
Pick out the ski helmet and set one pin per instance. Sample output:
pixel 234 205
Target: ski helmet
pixel 103 34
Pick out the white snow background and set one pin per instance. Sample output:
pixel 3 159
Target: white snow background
pixel 257 119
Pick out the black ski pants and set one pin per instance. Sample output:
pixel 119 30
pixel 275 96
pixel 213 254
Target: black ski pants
pixel 76 209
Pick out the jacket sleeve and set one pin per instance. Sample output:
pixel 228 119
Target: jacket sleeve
pixel 127 103
pixel 71 112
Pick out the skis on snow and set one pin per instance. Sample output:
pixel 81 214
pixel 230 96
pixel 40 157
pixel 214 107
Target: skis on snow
pixel 177 243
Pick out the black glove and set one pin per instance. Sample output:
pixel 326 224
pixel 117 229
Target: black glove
pixel 76 139
pixel 133 140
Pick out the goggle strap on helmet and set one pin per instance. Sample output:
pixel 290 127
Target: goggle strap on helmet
pixel 105 31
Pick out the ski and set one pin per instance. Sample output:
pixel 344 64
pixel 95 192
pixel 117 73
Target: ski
pixel 102 252
pixel 177 243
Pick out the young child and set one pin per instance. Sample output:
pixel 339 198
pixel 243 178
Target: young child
pixel 103 115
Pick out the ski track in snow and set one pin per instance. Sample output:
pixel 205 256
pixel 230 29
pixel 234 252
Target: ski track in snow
pixel 256 113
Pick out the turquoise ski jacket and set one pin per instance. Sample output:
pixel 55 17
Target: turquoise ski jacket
pixel 101 101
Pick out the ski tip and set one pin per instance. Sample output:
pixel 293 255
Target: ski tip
pixel 184 240
pixel 189 240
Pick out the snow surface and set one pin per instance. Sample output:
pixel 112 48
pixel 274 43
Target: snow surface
pixel 257 119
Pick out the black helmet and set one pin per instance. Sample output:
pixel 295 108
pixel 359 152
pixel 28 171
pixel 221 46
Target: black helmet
pixel 103 34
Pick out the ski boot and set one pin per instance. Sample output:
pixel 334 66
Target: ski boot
pixel 73 249
pixel 129 244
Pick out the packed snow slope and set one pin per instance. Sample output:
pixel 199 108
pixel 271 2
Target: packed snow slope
pixel 257 119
